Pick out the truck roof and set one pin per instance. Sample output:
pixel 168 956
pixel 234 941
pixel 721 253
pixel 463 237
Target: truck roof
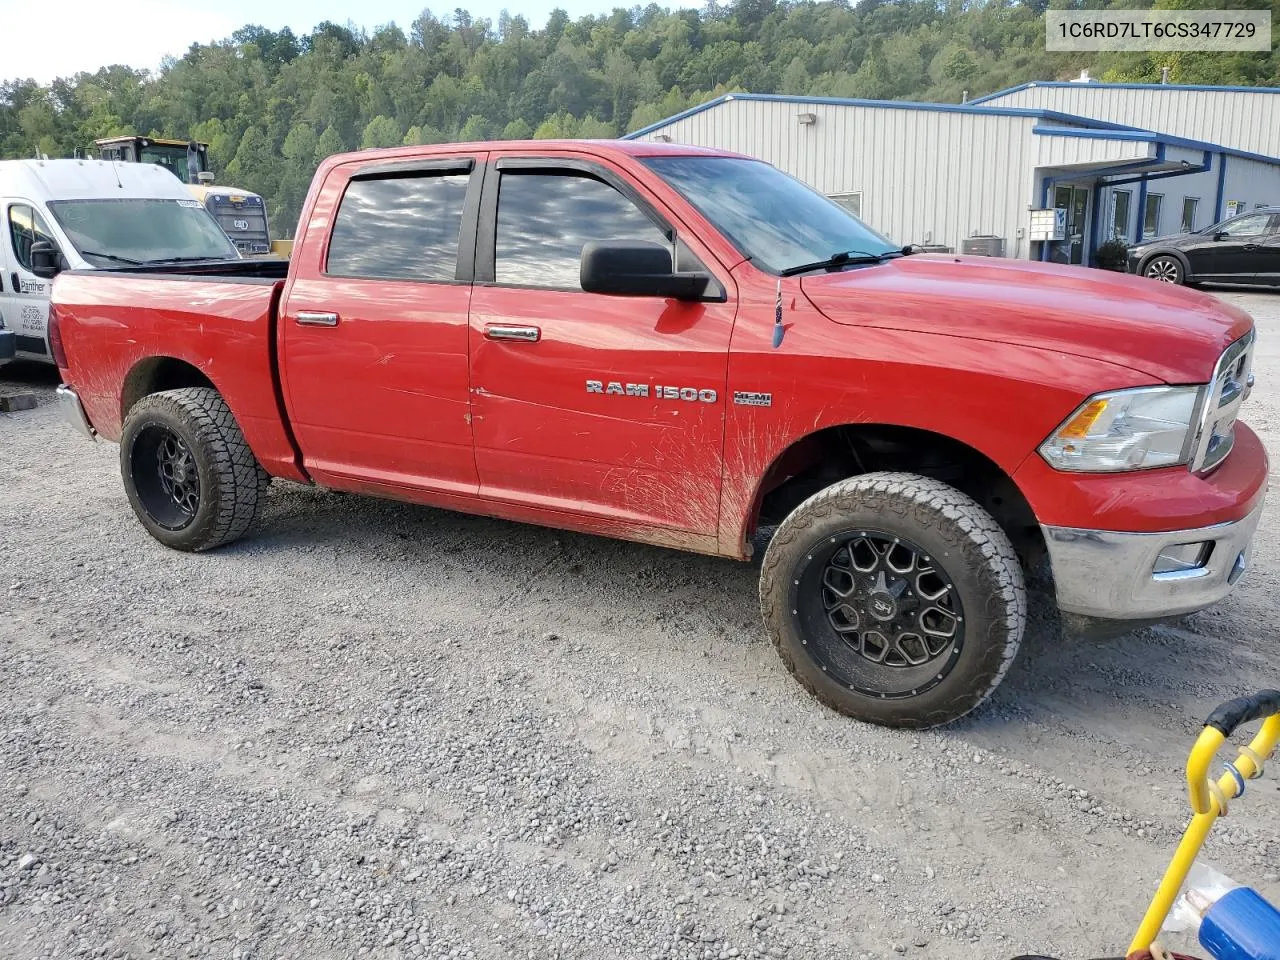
pixel 88 180
pixel 632 148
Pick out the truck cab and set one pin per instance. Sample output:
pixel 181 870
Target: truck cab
pixel 84 215
pixel 241 214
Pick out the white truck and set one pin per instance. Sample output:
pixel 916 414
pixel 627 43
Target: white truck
pixel 92 213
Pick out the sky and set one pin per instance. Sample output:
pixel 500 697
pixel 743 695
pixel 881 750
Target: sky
pixel 139 33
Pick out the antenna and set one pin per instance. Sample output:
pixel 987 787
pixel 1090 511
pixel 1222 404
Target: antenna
pixel 116 171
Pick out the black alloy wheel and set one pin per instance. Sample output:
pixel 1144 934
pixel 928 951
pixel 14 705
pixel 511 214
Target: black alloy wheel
pixel 880 615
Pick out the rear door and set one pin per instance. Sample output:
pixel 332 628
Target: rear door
pixel 24 304
pixel 596 405
pixel 1268 254
pixel 373 326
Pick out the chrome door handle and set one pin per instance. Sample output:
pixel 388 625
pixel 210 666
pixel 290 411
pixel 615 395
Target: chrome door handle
pixel 307 318
pixel 495 331
pixel 1250 246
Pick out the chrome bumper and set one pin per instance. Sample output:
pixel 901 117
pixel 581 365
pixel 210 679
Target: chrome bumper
pixel 1110 575
pixel 74 412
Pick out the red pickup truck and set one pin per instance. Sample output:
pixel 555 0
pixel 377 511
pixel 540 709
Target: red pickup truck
pixel 689 348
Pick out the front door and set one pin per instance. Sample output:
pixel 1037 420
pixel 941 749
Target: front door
pixel 24 304
pixel 1075 200
pixel 1230 252
pixel 374 340
pixel 599 405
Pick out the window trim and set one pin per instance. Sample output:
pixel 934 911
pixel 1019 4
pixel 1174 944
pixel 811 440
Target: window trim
pixel 35 215
pixel 847 195
pixel 1159 200
pixel 464 265
pixel 1189 225
pixel 487 227
pixel 1115 196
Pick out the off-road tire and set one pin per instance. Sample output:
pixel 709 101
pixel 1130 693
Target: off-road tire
pixel 232 483
pixel 964 539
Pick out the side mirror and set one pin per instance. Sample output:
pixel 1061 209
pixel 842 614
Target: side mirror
pixel 46 261
pixel 205 177
pixel 1220 235
pixel 637 268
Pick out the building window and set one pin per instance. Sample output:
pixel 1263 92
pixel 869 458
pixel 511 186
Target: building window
pixel 1151 216
pixel 1189 213
pixel 1120 214
pixel 850 201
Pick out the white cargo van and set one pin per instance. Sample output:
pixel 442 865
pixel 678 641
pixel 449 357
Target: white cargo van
pixel 93 213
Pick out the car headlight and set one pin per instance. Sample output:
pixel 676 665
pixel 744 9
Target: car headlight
pixel 1126 430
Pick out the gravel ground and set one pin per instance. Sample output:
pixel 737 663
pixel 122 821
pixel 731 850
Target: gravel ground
pixel 378 730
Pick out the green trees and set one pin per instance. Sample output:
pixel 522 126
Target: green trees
pixel 272 105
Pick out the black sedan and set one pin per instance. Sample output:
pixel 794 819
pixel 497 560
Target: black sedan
pixel 1242 249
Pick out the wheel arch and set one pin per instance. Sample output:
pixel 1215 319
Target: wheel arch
pixel 818 459
pixel 1167 252
pixel 156 374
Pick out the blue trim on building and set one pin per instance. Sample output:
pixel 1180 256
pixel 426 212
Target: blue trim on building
pixel 1222 188
pixel 1098 85
pixel 1142 208
pixel 1205 166
pixel 1133 133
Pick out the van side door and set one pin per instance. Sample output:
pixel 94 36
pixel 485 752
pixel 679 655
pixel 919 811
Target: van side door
pixel 24 304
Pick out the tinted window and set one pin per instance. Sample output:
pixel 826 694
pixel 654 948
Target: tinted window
pixel 26 227
pixel 545 219
pixel 773 218
pixel 1246 226
pixel 404 228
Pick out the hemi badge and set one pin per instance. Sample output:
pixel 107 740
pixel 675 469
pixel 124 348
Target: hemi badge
pixel 745 398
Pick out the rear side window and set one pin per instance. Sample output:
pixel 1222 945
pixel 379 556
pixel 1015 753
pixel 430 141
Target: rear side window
pixel 544 220
pixel 26 226
pixel 399 228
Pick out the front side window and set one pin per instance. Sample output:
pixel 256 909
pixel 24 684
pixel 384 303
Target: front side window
pixel 1189 205
pixel 26 227
pixel 1120 214
pixel 772 218
pixel 850 201
pixel 1250 226
pixel 1151 216
pixel 545 219
pixel 135 231
pixel 399 228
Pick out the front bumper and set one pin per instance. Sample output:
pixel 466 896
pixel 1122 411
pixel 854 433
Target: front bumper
pixel 74 412
pixel 1109 574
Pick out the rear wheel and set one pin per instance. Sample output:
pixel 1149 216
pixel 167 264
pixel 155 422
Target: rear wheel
pixel 188 471
pixel 1166 269
pixel 895 599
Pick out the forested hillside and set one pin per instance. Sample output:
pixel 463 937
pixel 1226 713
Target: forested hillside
pixel 272 104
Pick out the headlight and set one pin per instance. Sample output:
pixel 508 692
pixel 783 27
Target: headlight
pixel 1126 430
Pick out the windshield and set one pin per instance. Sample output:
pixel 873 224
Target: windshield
pixel 173 159
pixel 777 221
pixel 107 232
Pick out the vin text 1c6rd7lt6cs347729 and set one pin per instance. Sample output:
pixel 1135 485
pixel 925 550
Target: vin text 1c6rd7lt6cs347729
pixel 689 348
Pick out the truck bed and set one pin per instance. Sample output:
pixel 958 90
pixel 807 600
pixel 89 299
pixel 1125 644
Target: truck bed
pixel 127 332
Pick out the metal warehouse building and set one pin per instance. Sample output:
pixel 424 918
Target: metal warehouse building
pixel 1012 180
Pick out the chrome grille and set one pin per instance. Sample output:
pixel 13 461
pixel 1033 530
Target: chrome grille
pixel 1227 390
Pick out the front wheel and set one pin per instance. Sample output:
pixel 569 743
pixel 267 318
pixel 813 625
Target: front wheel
pixel 1165 269
pixel 895 599
pixel 190 475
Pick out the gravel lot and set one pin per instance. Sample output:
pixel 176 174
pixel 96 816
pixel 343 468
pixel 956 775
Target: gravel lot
pixel 378 730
